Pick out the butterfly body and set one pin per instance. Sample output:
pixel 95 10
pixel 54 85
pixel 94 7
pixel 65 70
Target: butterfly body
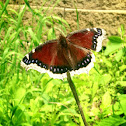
pixel 71 53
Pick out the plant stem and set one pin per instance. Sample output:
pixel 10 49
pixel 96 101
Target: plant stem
pixel 72 86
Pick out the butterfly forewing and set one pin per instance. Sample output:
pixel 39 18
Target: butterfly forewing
pixel 47 56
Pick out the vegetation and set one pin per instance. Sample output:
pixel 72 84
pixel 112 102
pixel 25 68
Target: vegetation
pixel 34 99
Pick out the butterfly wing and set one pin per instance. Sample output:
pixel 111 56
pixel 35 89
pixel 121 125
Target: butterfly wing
pixel 88 38
pixel 80 59
pixel 56 62
pixel 47 58
pixel 55 59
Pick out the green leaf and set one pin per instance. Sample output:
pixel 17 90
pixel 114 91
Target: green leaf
pixel 4 8
pixel 33 35
pixel 121 30
pixel 27 3
pixel 8 33
pixel 13 11
pixel 19 94
pixel 51 34
pixel 105 79
pixel 20 16
pixel 119 55
pixel 106 100
pixel 40 26
pixel 122 99
pixel 115 39
pixel 122 68
pixel 122 83
pixel 111 121
pixel 111 47
pixel 60 19
pixel 95 88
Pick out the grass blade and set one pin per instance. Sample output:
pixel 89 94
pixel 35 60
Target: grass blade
pixel 4 9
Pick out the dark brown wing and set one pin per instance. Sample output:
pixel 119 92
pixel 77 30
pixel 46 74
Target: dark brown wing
pixel 46 56
pixel 88 38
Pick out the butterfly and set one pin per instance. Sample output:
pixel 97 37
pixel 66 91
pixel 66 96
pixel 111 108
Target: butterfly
pixel 71 53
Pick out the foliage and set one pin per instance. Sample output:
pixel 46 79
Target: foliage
pixel 34 99
pixel 117 45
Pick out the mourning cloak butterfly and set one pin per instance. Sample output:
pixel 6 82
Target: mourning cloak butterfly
pixel 71 53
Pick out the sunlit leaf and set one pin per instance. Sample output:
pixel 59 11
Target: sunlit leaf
pixel 122 99
pixel 111 121
pixel 115 39
pixel 111 47
pixel 119 55
pixel 4 8
pixel 106 100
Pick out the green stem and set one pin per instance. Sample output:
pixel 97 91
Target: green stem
pixel 71 84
